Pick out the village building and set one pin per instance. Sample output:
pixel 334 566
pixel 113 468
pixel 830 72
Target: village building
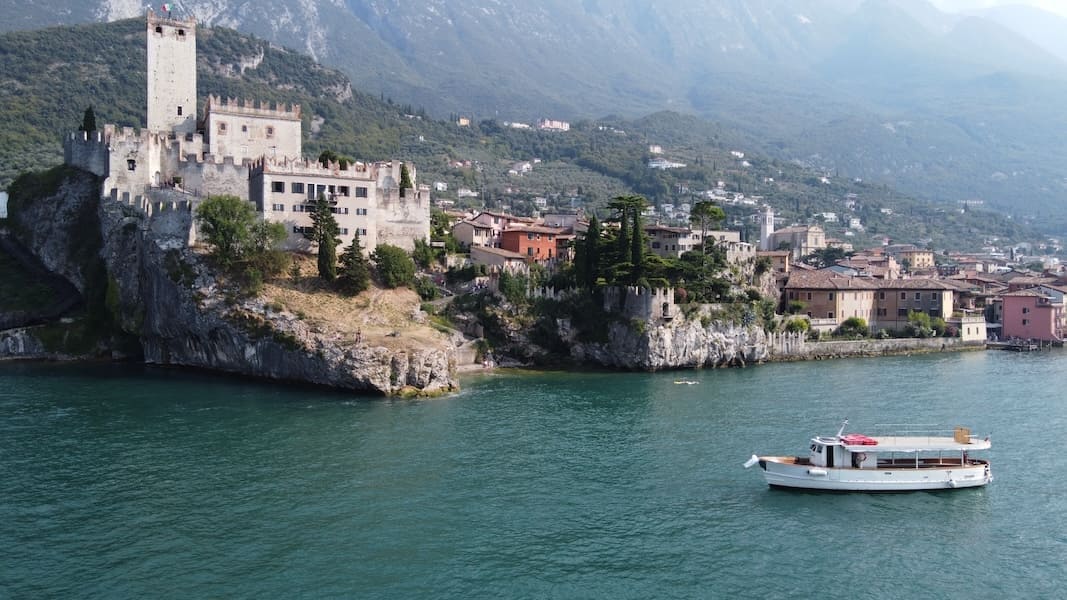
pixel 537 243
pixel 828 299
pixel 499 259
pixel 917 259
pixel 1032 314
pixel 897 298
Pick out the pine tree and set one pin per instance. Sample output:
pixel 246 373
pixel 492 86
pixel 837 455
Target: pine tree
pixel 324 232
pixel 354 276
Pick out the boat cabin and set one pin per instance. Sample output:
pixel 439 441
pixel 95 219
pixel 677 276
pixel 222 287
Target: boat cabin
pixel 857 451
pixel 830 452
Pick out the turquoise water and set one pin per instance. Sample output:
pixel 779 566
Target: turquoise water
pixel 129 482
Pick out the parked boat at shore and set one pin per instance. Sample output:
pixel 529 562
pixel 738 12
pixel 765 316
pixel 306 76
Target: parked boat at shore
pixel 915 460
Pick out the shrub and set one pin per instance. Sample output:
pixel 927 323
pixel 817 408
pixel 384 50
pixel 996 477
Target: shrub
pixel 853 327
pixel 796 325
pixel 395 266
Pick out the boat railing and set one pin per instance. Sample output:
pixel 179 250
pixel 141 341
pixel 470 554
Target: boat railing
pixel 920 431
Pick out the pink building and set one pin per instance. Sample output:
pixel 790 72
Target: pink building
pixel 1032 314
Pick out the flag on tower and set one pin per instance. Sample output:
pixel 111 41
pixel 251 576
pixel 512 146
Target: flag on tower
pixel 166 7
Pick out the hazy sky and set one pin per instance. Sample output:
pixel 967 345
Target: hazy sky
pixel 1056 6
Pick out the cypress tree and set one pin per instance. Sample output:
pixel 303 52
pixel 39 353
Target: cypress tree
pixel 324 232
pixel 88 120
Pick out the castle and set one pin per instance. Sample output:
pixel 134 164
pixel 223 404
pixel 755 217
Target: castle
pixel 245 149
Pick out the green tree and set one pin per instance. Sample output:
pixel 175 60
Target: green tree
pixel 629 244
pixel 825 257
pixel 324 231
pixel 329 156
pixel 587 259
pixel 706 216
pixel 226 223
pixel 354 275
pixel 395 266
pixel 405 178
pixel 88 120
pixel 423 254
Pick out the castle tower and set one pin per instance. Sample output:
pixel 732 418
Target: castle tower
pixel 171 74
pixel 766 228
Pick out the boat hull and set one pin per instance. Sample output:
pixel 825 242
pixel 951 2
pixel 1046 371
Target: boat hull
pixel 787 472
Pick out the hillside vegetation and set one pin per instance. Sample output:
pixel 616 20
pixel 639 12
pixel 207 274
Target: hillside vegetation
pixel 51 75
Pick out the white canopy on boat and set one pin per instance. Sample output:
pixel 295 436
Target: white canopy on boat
pixel 918 444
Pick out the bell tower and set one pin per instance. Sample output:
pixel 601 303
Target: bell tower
pixel 171 74
pixel 766 228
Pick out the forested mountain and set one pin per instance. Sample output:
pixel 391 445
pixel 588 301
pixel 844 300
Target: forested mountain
pixel 52 75
pixel 945 107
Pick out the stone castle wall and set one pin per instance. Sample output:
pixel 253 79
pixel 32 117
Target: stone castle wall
pixel 640 303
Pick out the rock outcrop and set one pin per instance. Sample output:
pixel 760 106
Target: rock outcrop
pixel 161 292
pixel 678 344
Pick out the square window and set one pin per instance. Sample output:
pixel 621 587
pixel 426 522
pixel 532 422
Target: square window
pixel 270 132
pixel 903 295
pixel 277 187
pixel 244 128
pixel 296 188
pixel 361 192
pixel 131 165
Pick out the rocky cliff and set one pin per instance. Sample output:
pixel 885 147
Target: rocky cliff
pixel 162 293
pixel 675 345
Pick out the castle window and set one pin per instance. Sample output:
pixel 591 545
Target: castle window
pixel 277 187
pixel 270 131
pixel 361 192
pixel 131 164
pixel 159 30
pixel 179 111
pixel 244 128
pixel 297 188
pixel 222 127
pixel 181 33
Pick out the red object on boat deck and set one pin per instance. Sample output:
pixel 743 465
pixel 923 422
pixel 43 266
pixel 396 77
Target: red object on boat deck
pixel 858 439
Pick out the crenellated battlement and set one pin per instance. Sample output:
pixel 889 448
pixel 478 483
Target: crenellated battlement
pixel 153 19
pixel 270 166
pixel 233 106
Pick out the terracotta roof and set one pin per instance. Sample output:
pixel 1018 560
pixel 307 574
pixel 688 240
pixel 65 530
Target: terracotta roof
pixel 827 280
pixel 500 252
pixel 1031 280
pixel 473 224
pixel 535 229
pixel 656 227
pixel 917 284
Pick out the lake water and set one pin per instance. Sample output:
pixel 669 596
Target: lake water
pixel 133 482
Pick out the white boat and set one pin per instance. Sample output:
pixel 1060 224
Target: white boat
pixel 894 463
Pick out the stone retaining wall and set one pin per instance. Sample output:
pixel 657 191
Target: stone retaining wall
pixel 845 349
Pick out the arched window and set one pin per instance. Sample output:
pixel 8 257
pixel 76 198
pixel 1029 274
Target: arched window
pixel 159 30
